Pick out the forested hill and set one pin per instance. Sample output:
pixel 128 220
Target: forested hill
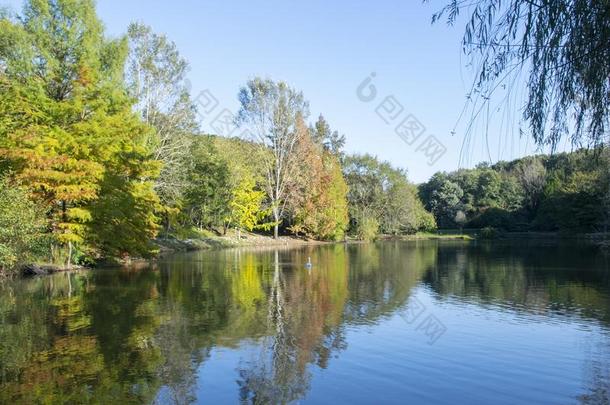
pixel 562 192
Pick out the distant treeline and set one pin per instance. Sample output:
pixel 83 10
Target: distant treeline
pixel 566 192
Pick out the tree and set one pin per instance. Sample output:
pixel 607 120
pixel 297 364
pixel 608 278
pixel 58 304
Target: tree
pixel 318 203
pixel 365 190
pixel 333 206
pixel 443 198
pixel 66 125
pixel 51 160
pixel 156 78
pixel 402 210
pixel 245 206
pixel 564 191
pixel 564 46
pixel 124 218
pixel 207 196
pixel 468 181
pixel 489 188
pixel 323 135
pixel 532 176
pixel 460 219
pixel 379 192
pixel 270 111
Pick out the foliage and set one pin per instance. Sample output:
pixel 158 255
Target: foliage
pixel 329 139
pixel 156 79
pixel 443 197
pixel 563 192
pixel 460 218
pixel 495 218
pixel 333 205
pixel 562 44
pixel 380 192
pixel 426 220
pixel 318 198
pixel 270 111
pixel 366 228
pixel 207 195
pixel 531 175
pixel 21 227
pixel 489 233
pixel 245 206
pixel 67 129
pixel 124 217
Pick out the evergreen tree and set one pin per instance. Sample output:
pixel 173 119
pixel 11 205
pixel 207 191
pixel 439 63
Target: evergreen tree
pixel 67 129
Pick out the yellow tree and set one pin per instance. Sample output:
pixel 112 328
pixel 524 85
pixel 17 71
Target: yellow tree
pixel 245 207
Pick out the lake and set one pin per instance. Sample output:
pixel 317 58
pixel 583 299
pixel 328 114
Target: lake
pixel 440 322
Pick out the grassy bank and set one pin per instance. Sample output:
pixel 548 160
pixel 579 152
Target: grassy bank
pixel 207 240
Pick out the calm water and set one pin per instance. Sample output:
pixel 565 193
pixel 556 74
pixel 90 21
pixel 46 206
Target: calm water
pixel 417 322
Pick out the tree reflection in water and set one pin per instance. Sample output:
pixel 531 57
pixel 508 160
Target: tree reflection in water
pixel 275 376
pixel 144 335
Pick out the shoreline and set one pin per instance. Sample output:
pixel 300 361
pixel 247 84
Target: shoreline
pixel 170 246
pixel 166 248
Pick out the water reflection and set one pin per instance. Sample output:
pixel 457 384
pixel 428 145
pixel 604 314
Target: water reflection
pixel 145 335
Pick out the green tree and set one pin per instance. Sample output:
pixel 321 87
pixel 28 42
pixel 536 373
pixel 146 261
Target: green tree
pixel 156 78
pixel 21 227
pixel 442 197
pixel 334 213
pixel 323 135
pixel 67 126
pixel 531 174
pixel 379 192
pixel 489 188
pixel 208 193
pixel 562 192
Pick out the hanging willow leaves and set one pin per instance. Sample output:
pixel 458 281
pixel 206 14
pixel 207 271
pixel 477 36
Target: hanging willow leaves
pixel 563 46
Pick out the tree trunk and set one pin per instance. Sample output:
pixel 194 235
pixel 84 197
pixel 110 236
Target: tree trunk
pixel 167 225
pixel 276 227
pixel 69 254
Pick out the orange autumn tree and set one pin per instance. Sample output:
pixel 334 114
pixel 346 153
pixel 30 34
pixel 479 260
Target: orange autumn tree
pixel 319 193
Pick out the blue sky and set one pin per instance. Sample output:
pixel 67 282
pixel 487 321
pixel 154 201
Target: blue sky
pixel 326 49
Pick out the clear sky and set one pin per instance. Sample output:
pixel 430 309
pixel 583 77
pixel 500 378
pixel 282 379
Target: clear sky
pixel 326 49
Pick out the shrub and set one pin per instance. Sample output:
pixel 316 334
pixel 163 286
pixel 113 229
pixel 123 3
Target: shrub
pixel 426 221
pixel 21 227
pixel 367 229
pixel 493 218
pixel 489 233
